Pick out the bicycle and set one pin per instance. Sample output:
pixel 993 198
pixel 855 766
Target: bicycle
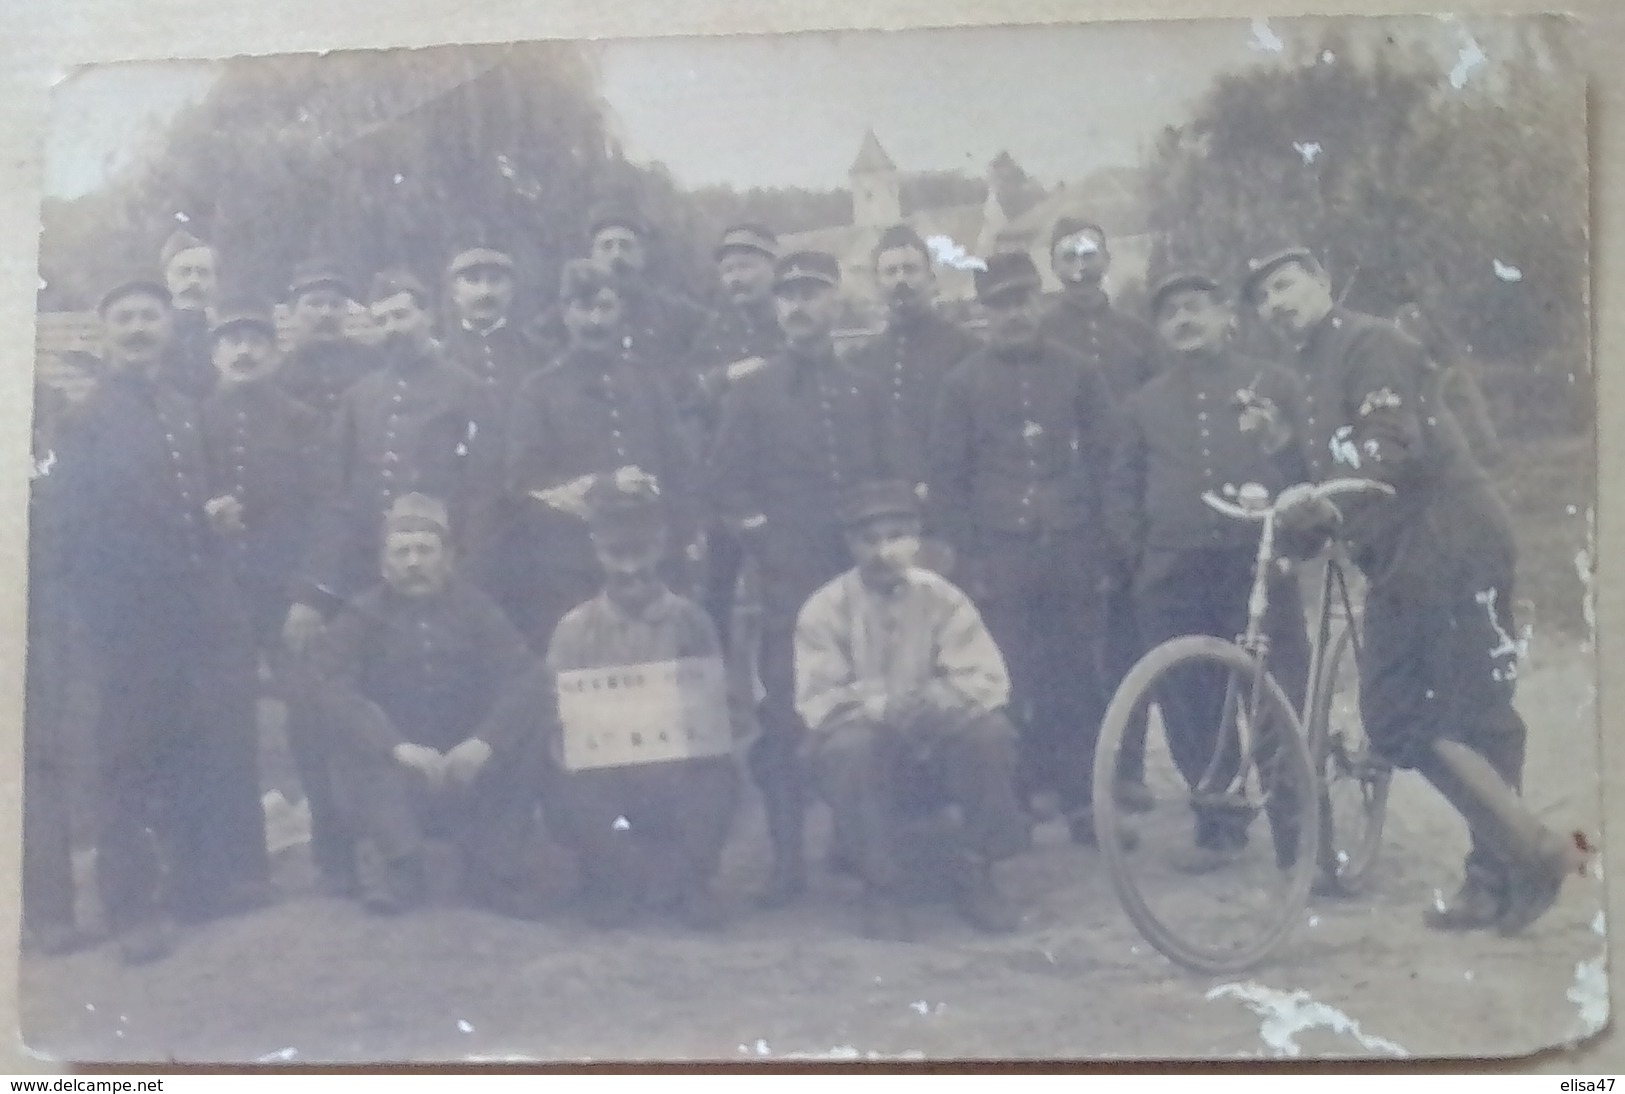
pixel 1308 770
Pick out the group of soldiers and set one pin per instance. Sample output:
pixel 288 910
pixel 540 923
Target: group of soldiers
pixel 956 546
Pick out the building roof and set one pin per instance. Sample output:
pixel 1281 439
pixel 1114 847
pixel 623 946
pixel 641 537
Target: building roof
pixel 872 158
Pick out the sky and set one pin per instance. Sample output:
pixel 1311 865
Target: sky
pixel 792 110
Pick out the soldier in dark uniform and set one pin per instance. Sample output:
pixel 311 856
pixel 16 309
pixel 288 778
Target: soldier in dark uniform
pixel 795 434
pixel 428 695
pixel 189 266
pixel 482 336
pixel 177 750
pixel 1182 435
pixel 1083 320
pixel 736 343
pixel 676 810
pixel 591 413
pixel 1021 443
pixel 918 347
pixel 49 921
pixel 409 427
pixel 324 361
pixel 661 328
pixel 1440 657
pixel 916 351
pixel 261 443
pixel 263 448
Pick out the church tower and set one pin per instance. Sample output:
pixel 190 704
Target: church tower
pixel 876 198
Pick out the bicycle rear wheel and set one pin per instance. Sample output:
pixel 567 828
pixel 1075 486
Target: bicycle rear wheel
pixel 1353 781
pixel 1211 886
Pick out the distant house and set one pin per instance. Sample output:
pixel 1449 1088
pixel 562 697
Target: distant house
pixel 1109 197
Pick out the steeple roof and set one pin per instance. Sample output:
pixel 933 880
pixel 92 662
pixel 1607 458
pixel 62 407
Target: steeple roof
pixel 872 158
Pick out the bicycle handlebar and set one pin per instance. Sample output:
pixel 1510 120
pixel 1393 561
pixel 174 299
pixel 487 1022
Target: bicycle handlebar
pixel 1297 494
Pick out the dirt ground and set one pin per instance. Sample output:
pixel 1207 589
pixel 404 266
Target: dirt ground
pixel 312 979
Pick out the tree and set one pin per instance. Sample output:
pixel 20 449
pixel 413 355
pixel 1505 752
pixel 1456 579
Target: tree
pixel 1469 201
pixel 1016 190
pixel 372 159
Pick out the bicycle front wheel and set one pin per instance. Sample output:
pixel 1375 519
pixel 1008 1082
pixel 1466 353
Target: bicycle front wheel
pixel 1222 867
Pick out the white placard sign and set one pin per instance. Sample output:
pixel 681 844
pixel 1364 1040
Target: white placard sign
pixel 649 713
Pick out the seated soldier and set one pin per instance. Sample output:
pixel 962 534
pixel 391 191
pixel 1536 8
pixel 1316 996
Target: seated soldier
pixel 433 732
pixel 902 689
pixel 639 769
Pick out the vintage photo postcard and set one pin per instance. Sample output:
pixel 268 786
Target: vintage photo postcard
pixel 1020 543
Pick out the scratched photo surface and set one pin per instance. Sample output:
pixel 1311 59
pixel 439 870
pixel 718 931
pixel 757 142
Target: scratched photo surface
pixel 669 549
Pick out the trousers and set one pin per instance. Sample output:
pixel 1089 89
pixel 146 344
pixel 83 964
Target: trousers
pixel 874 775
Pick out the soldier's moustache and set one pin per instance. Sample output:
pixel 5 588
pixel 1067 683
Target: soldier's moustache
pixel 900 553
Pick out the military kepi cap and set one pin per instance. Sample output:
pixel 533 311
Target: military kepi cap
pixel 807 266
pixel 878 498
pixel 476 257
pixel 618 214
pixel 1069 226
pixel 242 313
pixel 317 273
pixel 140 283
pixel 179 240
pixel 625 512
pixel 1177 280
pixel 1260 268
pixel 748 237
pixel 1007 272
pixel 417 513
pixel 390 283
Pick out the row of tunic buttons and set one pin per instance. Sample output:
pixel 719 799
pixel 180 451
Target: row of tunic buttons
pixel 180 474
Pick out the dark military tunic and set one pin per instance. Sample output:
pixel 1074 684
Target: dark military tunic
pixel 189 369
pixel 1180 437
pixel 733 334
pixel 1021 444
pixel 434 671
pixel 1193 567
pixel 911 358
pixel 263 446
pixel 319 373
pixel 1441 651
pixel 177 750
pixel 412 426
pixel 590 414
pixel 1121 347
pixel 502 358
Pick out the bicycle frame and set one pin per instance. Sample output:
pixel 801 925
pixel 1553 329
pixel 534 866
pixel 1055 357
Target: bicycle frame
pixel 1335 602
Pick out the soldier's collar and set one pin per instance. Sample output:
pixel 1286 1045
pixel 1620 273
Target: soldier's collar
pixel 1091 300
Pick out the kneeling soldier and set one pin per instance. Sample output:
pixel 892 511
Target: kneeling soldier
pixel 434 732
pixel 643 755
pixel 902 689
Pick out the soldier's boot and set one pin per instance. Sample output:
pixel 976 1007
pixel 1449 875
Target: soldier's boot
pixel 981 902
pixel 1476 906
pixel 1537 858
pixel 786 824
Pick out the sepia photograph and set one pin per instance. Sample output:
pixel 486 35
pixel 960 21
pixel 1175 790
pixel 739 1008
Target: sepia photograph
pixel 999 543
